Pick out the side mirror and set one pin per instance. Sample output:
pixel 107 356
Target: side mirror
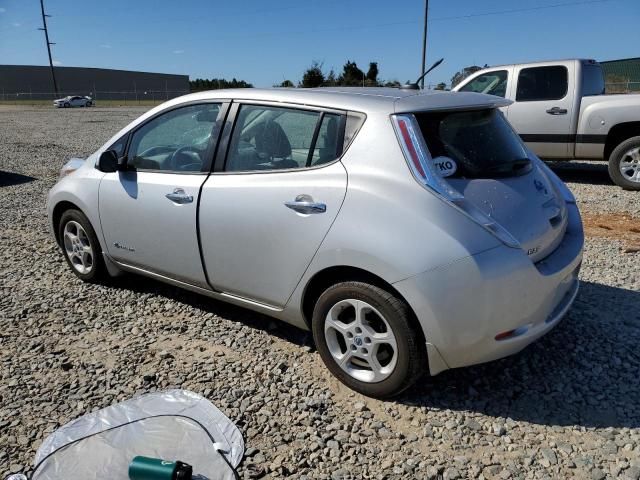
pixel 109 162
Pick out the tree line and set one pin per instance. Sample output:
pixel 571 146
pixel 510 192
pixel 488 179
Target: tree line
pixel 351 76
pixel 314 76
pixel 216 83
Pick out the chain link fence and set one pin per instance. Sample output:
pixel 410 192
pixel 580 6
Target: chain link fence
pixel 100 98
pixel 622 87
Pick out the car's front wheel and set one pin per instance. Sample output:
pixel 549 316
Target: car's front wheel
pixel 80 246
pixel 367 339
pixel 67 105
pixel 624 164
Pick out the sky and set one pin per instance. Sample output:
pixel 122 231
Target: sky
pixel 266 42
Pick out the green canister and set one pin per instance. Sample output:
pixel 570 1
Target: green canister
pixel 145 468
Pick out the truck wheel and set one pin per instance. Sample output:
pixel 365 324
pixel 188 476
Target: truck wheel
pixel 624 164
pixel 367 339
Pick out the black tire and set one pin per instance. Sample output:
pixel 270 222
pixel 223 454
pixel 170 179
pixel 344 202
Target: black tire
pixel 67 105
pixel 411 351
pixel 615 159
pixel 98 270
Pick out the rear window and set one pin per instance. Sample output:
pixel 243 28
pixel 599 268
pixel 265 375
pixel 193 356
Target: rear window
pixel 481 142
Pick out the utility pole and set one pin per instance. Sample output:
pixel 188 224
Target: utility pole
pixel 424 42
pixel 46 36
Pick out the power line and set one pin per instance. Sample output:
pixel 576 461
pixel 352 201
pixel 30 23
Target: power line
pixel 520 10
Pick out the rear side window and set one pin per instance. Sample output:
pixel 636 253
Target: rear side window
pixel 492 83
pixel 592 80
pixel 542 83
pixel 481 142
pixel 277 138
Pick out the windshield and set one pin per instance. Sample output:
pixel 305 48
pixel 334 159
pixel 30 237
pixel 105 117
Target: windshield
pixel 481 142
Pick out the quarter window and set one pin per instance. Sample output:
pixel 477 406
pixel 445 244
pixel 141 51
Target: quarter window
pixel 275 138
pixel 176 141
pixel 492 83
pixel 542 83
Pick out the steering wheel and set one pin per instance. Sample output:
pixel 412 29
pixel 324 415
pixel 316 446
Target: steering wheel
pixel 192 161
pixel 157 150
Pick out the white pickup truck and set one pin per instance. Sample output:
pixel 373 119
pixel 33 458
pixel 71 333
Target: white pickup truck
pixel 561 112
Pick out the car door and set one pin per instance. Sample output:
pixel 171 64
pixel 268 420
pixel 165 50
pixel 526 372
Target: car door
pixel 76 101
pixel 268 206
pixel 148 211
pixel 543 110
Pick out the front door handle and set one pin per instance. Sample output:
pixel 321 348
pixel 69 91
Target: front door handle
pixel 305 204
pixel 557 111
pixel 178 196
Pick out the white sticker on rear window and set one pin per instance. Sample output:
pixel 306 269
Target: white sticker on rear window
pixel 446 166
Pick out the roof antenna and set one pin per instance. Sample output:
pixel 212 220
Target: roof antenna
pixel 414 85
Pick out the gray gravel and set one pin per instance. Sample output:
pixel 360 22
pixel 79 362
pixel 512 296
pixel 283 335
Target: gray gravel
pixel 568 406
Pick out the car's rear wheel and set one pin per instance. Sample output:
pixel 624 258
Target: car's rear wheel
pixel 367 339
pixel 80 246
pixel 624 164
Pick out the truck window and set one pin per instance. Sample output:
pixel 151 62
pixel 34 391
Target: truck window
pixel 592 80
pixel 542 83
pixel 493 83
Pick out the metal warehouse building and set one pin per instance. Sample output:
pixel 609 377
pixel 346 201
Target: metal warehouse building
pixel 34 82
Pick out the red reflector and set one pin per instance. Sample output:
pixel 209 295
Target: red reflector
pixel 505 335
pixel 412 151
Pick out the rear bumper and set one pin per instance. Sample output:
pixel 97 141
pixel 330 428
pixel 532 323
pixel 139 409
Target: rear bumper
pixel 464 305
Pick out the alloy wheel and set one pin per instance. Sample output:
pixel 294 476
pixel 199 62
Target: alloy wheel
pixel 630 165
pixel 78 247
pixel 361 340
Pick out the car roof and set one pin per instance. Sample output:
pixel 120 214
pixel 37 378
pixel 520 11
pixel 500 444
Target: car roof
pixel 588 61
pixel 367 99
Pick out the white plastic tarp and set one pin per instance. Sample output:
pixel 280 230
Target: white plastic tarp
pixel 171 425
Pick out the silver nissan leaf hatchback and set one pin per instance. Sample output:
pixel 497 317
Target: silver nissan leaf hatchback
pixel 411 232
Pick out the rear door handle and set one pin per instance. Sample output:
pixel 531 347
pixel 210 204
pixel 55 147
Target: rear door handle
pixel 557 111
pixel 178 196
pixel 305 204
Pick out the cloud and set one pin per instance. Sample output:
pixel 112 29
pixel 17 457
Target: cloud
pixel 16 24
pixel 57 63
pixel 105 45
pixel 178 52
pixel 2 10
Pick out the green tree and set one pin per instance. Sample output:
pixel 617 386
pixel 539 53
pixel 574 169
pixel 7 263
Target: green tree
pixel 372 74
pixel 351 76
pixel 441 86
pixel 313 76
pixel 464 73
pixel 286 84
pixel 331 80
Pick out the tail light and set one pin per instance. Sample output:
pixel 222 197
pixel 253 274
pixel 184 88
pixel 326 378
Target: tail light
pixel 417 155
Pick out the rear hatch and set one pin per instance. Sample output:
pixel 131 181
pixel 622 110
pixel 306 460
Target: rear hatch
pixel 488 164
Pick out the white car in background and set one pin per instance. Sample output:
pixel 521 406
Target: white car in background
pixel 73 101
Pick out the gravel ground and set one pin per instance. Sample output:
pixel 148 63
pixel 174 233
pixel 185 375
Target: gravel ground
pixel 567 406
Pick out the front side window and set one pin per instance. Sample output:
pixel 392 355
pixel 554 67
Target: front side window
pixel 542 83
pixel 492 83
pixel 276 138
pixel 481 143
pixel 176 141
